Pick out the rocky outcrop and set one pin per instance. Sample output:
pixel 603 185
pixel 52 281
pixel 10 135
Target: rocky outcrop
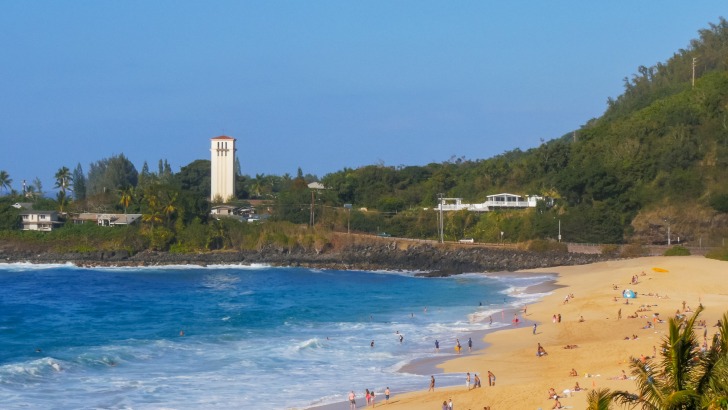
pixel 429 259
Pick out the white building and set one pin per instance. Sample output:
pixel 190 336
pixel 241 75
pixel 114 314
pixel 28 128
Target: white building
pixel 222 150
pixel 107 219
pixel 39 220
pixel 498 201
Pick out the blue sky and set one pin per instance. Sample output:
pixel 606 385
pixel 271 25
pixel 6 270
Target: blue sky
pixel 320 85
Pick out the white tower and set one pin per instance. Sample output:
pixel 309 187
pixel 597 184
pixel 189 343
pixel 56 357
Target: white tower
pixel 222 186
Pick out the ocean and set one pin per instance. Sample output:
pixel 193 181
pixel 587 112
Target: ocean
pixel 221 337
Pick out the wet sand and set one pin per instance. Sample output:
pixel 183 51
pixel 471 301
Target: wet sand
pixel 433 365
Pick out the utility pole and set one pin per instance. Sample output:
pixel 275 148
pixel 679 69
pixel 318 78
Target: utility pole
pixel 442 225
pixel 667 221
pixel 559 229
pixel 312 217
pixel 695 59
pixel 348 218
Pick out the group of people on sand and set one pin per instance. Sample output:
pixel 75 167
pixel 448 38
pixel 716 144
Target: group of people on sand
pixel 369 396
pixel 476 381
pixel 553 395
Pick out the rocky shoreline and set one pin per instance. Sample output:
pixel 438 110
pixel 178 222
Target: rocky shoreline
pixel 429 259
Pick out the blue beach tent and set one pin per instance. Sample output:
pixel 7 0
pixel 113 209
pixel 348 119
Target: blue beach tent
pixel 629 294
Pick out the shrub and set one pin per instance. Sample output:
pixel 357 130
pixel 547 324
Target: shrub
pixel 719 202
pixel 720 254
pixel 610 250
pixel 634 250
pixel 677 251
pixel 159 238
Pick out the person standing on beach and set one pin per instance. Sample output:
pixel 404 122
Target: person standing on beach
pixel 437 346
pixel 534 328
pixel 352 400
pixel 467 381
pixel 386 395
pixel 432 384
pixel 470 345
pixel 491 378
pixel 476 382
pixel 372 398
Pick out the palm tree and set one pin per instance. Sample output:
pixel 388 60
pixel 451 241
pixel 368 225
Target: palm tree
pixel 599 399
pixel 5 181
pixel 62 199
pixel 685 378
pixel 715 364
pixel 170 206
pixel 152 201
pixel 30 191
pixel 257 186
pixel 126 197
pixel 63 179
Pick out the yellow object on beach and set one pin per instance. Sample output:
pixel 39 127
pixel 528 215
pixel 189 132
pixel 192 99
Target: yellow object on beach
pixel 660 270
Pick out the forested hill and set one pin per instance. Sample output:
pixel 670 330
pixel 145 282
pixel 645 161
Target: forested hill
pixel 653 167
pixel 657 157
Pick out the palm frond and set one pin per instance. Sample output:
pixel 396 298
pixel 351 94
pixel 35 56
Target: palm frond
pixel 599 399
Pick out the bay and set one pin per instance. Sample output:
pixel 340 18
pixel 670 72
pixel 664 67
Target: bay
pixel 221 337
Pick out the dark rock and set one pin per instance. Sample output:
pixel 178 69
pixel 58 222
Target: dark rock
pixel 434 261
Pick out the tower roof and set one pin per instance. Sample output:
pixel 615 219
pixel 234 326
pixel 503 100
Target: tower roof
pixel 223 137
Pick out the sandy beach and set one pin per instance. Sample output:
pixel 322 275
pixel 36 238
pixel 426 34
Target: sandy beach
pixel 604 343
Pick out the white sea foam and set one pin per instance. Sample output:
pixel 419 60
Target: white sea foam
pixel 243 346
pixel 27 266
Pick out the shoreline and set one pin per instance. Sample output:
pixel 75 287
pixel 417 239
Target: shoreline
pixel 432 365
pixel 430 259
pixel 590 324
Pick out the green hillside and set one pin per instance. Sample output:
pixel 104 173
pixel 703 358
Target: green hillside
pixel 657 157
pixel 655 162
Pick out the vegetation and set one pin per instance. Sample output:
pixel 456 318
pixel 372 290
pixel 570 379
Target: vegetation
pixel 720 254
pixel 677 251
pixel 653 165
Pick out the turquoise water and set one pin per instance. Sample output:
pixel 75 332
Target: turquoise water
pixel 273 338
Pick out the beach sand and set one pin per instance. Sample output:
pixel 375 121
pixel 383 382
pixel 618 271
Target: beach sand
pixel 523 379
